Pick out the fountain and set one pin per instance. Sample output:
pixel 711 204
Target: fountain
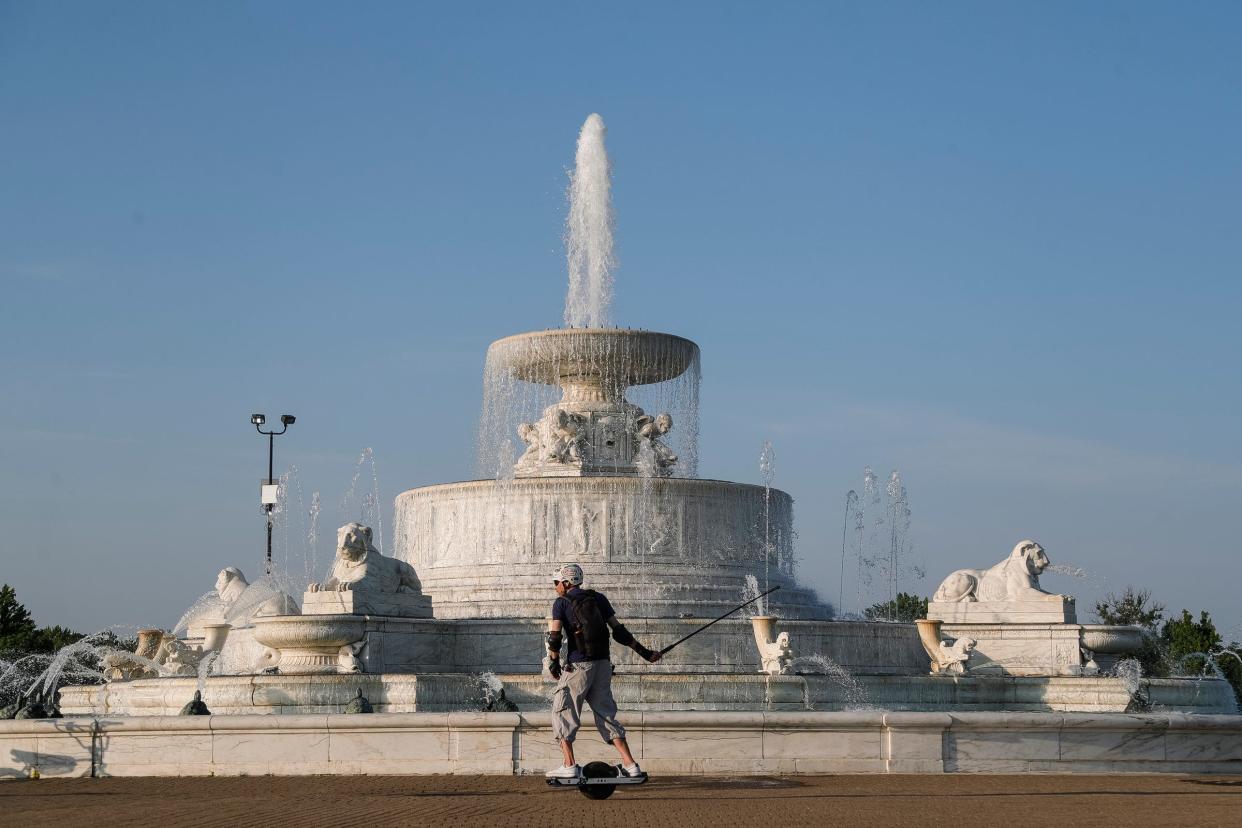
pixel 451 618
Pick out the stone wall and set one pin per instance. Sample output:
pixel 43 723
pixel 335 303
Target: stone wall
pixel 665 743
pixel 660 548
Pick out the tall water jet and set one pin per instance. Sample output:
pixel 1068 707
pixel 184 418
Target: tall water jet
pixel 588 231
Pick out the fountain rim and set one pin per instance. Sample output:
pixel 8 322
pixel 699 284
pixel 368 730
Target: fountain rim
pixel 575 483
pixel 554 364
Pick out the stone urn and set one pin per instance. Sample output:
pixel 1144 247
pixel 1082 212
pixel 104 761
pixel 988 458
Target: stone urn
pixel 148 643
pixel 310 644
pixel 764 627
pixel 214 636
pixel 1112 639
pixel 1103 645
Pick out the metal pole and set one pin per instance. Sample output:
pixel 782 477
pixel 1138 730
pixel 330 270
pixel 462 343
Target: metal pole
pixel 721 618
pixel 271 450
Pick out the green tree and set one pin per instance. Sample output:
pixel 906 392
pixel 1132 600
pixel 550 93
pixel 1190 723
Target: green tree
pixel 1135 606
pixel 1189 643
pixel 16 625
pixel 20 634
pixel 1184 636
pixel 906 608
pixel 51 639
pixel 1132 606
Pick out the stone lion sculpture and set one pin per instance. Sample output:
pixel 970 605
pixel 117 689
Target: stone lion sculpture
pixel 1014 579
pixel 359 566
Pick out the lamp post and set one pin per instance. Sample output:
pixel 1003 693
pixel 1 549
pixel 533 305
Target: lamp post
pixel 269 488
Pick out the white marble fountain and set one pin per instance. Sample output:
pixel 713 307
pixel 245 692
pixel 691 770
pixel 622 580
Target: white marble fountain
pixel 589 444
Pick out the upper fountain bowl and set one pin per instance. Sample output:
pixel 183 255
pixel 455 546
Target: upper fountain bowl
pixel 607 356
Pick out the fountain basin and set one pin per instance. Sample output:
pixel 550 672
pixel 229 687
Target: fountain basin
pixel 662 548
pixel 636 690
pixel 610 358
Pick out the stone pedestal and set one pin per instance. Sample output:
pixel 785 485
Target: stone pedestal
pixel 1021 649
pixel 351 602
pixel 1056 609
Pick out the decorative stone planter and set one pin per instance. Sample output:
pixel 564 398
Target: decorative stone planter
pixel 1112 639
pixel 309 643
pixel 764 627
pixel 148 642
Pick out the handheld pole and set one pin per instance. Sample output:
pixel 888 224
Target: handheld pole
pixel 721 618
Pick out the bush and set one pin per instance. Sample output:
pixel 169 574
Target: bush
pixel 906 609
pixel 1190 644
pixel 1135 607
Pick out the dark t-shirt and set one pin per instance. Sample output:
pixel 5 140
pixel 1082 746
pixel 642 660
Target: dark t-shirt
pixel 563 611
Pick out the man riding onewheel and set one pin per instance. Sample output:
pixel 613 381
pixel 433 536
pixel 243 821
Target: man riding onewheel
pixel 582 620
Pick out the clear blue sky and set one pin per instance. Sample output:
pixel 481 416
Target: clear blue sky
pixel 995 246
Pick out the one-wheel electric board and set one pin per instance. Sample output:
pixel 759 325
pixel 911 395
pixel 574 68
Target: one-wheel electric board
pixel 598 780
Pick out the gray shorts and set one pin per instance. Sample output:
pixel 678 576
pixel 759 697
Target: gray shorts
pixel 590 681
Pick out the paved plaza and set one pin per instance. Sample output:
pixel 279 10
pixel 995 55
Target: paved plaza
pixel 683 802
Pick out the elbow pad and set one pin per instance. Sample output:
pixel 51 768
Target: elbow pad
pixel 554 641
pixel 622 636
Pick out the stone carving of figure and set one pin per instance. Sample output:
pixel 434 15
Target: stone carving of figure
pixel 1014 579
pixel 953 657
pixel 230 584
pixel 568 438
pixel 214 607
pixel 775 653
pixel 556 438
pixel 243 601
pixel 529 432
pixel 177 658
pixel 776 656
pixel 582 524
pixel 650 430
pixel 347 660
pixel 359 566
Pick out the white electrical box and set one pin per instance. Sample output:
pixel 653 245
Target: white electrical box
pixel 268 493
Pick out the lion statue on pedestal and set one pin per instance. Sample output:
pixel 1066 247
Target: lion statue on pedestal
pixel 1014 579
pixel 360 567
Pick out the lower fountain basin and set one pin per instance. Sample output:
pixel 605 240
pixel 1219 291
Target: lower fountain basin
pixel 645 691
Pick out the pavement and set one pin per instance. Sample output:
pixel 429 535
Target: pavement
pixel 683 802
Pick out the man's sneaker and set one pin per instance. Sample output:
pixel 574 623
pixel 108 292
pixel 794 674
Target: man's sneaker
pixel 633 771
pixel 563 772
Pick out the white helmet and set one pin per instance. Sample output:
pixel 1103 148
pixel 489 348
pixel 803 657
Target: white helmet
pixel 569 572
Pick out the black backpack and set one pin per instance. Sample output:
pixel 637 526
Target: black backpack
pixel 588 627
